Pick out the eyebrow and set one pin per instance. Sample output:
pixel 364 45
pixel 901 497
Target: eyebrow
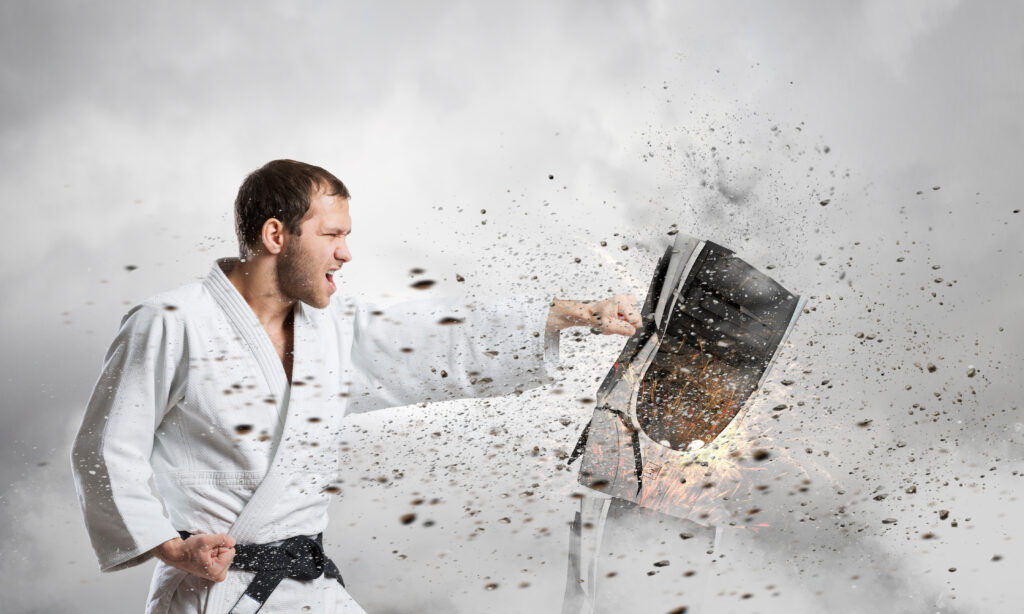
pixel 335 230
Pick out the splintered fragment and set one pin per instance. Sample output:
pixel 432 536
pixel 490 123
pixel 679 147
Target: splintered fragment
pixel 243 429
pixel 449 320
pixel 407 518
pixel 423 284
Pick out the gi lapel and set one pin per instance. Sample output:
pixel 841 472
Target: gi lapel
pixel 248 327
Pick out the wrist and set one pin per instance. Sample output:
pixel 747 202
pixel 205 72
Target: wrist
pixel 565 314
pixel 170 551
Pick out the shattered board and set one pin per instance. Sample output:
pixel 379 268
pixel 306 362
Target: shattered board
pixel 667 409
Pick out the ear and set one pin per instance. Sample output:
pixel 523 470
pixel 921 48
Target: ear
pixel 273 236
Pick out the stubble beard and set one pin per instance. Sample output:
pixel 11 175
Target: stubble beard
pixel 296 276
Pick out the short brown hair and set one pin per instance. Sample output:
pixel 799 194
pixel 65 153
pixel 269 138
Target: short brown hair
pixel 280 189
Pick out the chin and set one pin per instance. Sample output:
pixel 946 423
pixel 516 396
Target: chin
pixel 320 303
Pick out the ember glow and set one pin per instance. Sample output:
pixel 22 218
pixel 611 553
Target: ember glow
pixel 687 397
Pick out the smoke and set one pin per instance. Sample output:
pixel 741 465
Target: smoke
pixel 863 151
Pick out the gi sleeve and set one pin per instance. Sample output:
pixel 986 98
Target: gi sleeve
pixel 143 376
pixel 440 350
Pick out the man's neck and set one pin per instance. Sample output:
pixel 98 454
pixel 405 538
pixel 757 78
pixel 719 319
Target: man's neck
pixel 255 278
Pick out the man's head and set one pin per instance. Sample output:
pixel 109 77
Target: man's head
pixel 297 215
pixel 283 190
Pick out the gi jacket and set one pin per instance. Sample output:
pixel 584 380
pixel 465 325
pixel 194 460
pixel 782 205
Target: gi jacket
pixel 194 426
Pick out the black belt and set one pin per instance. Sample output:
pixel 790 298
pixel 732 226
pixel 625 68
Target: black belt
pixel 299 558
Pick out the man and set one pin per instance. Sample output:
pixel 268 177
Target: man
pixel 218 408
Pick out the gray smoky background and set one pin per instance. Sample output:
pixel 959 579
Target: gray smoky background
pixel 866 154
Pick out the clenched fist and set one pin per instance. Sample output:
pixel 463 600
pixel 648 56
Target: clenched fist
pixel 618 315
pixel 206 556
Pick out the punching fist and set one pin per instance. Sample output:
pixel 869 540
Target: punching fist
pixel 618 315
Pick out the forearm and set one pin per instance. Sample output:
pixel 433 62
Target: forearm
pixel 566 314
pixel 441 350
pixel 170 552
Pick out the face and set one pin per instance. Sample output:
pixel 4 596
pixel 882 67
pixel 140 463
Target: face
pixel 306 267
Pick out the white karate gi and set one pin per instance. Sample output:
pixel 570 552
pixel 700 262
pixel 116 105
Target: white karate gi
pixel 194 426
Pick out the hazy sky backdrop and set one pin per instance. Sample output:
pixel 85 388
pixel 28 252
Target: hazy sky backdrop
pixel 868 151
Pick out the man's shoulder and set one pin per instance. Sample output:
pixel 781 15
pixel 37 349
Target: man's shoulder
pixel 176 303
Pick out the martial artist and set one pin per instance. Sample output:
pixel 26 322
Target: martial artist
pixel 211 438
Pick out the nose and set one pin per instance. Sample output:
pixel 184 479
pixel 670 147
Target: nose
pixel 342 253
